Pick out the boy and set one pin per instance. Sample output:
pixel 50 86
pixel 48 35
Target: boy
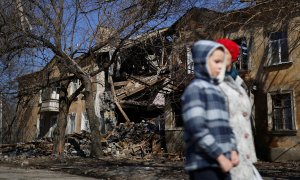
pixel 210 142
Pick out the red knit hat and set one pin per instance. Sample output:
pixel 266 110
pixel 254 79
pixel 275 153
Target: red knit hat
pixel 232 47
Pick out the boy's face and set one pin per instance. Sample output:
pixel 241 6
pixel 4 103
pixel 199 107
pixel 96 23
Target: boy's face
pixel 216 62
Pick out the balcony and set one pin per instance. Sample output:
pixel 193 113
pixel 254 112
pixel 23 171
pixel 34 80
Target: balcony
pixel 50 103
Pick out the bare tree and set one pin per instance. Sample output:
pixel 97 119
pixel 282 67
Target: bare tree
pixel 70 32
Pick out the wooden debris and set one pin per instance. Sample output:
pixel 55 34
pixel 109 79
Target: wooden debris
pixel 136 86
pixel 139 140
pixel 121 83
pixel 117 101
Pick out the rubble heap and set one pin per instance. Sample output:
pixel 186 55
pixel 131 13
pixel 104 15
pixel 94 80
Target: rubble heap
pixel 41 147
pixel 139 140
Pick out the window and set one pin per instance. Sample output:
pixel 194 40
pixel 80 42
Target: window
pixel 190 64
pixel 50 93
pixel 71 126
pixel 85 122
pixel 72 122
pixel 40 97
pixel 53 125
pixel 74 85
pixel 170 38
pixel 46 94
pixel 278 48
pixel 176 107
pixel 282 112
pixel 243 59
pixel 38 127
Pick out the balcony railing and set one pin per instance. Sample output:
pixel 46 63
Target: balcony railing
pixel 51 104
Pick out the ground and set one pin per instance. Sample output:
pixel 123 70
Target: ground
pixel 117 168
pixel 39 174
pixel 105 168
pixel 279 170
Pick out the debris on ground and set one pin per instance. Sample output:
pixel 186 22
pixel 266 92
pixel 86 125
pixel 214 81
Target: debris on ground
pixel 130 150
pixel 133 140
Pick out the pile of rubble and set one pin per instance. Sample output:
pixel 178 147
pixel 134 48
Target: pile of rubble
pixel 34 148
pixel 140 140
pixel 136 139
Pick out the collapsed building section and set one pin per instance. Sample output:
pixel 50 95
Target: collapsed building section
pixel 144 84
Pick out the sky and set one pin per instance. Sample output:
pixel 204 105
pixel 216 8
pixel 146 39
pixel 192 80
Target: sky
pixel 87 22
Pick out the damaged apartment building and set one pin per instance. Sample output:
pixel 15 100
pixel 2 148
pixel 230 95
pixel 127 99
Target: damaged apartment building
pixel 153 69
pixel 130 90
pixel 145 84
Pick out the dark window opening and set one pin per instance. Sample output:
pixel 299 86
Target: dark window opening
pixel 243 59
pixel 282 112
pixel 177 114
pixel 278 48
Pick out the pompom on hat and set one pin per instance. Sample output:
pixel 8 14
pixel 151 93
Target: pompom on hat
pixel 232 47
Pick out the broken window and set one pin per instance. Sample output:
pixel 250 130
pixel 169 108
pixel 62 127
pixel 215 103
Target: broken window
pixel 190 64
pixel 40 96
pixel 71 123
pixel 282 111
pixel 85 122
pixel 278 48
pixel 46 124
pixel 50 93
pixel 177 114
pixel 74 85
pixel 243 59
pixel 53 120
pixel 46 94
pixel 170 38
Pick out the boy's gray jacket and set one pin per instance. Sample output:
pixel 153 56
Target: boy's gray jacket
pixel 205 115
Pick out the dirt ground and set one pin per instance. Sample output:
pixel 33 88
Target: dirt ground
pixel 105 168
pixel 116 168
pixel 279 170
pixel 8 173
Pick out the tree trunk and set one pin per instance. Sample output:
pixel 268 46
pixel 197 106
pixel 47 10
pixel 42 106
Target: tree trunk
pixel 60 130
pixel 96 147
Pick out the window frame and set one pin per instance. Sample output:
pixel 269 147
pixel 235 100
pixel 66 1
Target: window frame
pixel 241 59
pixel 189 61
pixel 271 120
pixel 85 125
pixel 279 42
pixel 71 122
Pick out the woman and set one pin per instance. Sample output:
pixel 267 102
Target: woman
pixel 210 142
pixel 239 112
